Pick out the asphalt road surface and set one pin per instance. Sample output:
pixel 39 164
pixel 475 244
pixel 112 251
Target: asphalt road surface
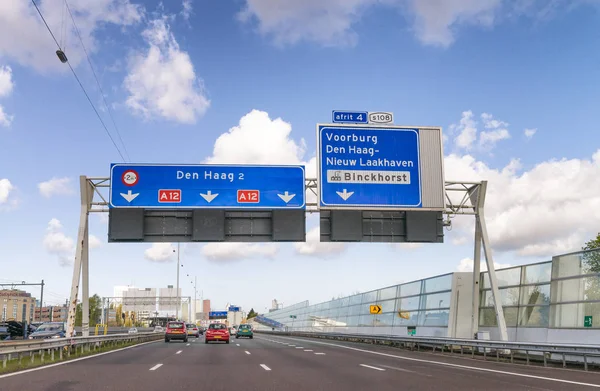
pixel 282 363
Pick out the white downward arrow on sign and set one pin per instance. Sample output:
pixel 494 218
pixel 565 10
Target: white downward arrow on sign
pixel 345 194
pixel 129 196
pixel 209 196
pixel 286 196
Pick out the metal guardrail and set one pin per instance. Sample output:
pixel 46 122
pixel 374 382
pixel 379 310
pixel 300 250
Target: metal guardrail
pixel 503 350
pixel 42 347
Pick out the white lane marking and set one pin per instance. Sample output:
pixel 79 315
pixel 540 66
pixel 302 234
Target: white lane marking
pixel 404 370
pixel 154 368
pixel 247 352
pixel 320 354
pixel 73 360
pixel 292 345
pixel 299 347
pixel 447 364
pixel 237 344
pixel 179 351
pixel 266 368
pixel 308 350
pixel 188 344
pixel 368 366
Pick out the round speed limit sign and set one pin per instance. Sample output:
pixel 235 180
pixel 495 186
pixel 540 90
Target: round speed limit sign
pixel 130 178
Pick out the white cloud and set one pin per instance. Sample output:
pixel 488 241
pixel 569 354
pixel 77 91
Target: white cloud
pixel 467 129
pixel 466 265
pixel 331 22
pixel 161 252
pixel 161 81
pixel 94 242
pixel 436 22
pixel 238 251
pixel 5 190
pixel 497 131
pixel 529 133
pixel 5 118
pixel 57 243
pixel 6 87
pixel 328 22
pixel 550 209
pixel 186 12
pixel 314 247
pixel 258 139
pixel 34 46
pixel 6 82
pixel 56 186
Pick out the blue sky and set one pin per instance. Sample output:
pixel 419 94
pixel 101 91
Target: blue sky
pixel 265 74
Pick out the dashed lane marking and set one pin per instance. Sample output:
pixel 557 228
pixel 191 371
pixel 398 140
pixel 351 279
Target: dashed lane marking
pixel 368 366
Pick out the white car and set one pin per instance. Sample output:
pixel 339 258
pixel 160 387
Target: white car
pixel 133 330
pixel 159 329
pixel 232 330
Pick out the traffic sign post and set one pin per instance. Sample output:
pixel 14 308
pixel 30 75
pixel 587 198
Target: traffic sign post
pixel 365 167
pixel 350 117
pixel 375 309
pixel 371 167
pixel 207 186
pixel 217 315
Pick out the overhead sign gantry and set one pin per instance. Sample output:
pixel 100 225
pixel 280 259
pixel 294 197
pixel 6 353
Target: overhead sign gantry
pixel 380 183
pixel 376 182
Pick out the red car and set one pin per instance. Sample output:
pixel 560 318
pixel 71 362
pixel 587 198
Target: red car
pixel 216 332
pixel 176 330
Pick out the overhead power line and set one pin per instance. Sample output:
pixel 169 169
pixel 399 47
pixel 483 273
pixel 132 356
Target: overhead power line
pixel 62 57
pixel 97 81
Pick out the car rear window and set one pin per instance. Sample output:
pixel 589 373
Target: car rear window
pixel 244 327
pixel 175 325
pixel 217 326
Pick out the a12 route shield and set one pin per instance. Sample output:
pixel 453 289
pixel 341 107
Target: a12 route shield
pixel 363 167
pixel 206 186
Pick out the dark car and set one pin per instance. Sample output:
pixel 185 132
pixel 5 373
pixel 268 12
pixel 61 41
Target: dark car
pixel 49 330
pixel 176 330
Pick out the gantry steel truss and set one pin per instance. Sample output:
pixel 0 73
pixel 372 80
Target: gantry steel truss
pixel 462 198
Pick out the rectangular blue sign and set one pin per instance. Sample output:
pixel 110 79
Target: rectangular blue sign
pixel 217 314
pixel 353 117
pixel 234 309
pixel 206 186
pixel 363 167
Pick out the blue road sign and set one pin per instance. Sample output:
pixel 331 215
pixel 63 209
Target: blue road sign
pixel 206 186
pixel 234 309
pixel 217 315
pixel 352 117
pixel 363 167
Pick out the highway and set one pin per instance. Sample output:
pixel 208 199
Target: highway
pixel 282 363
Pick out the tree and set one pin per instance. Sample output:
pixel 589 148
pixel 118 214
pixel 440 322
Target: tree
pixel 95 311
pixel 591 259
pixel 251 314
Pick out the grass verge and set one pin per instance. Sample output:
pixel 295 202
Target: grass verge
pixel 14 365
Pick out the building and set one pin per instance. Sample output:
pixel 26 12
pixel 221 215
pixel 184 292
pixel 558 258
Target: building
pixel 168 300
pixel 50 314
pixel 16 305
pixel 556 301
